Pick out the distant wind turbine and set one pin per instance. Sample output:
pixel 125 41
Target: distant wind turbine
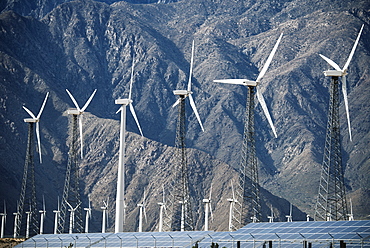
pixel 142 211
pixel 57 213
pixel 105 215
pixel 88 216
pixel 162 209
pixel 207 209
pixel 271 217
pixel 3 221
pixel 289 217
pixel 232 207
pixel 42 216
pixel 72 216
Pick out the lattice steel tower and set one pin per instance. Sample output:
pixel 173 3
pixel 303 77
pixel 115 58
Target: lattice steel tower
pixel 71 190
pixel 331 200
pixel 179 216
pixel 247 207
pixel 27 200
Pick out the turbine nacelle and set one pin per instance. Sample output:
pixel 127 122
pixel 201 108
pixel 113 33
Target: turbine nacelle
pixel 74 111
pixel 244 82
pixel 30 120
pixel 123 101
pixel 334 73
pixel 231 200
pixel 182 92
pixel 206 200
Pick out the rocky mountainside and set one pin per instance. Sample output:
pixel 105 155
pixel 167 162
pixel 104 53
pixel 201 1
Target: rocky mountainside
pixel 87 45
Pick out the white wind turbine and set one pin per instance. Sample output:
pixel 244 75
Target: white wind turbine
pixel 350 216
pixel 162 209
pixel 141 212
pixel 72 216
pixel 79 111
pixel 16 217
pixel 36 119
pixel 120 200
pixel 42 216
pixel 29 215
pixel 105 215
pixel 56 217
pixel 88 216
pixel 207 209
pixel 271 217
pixel 289 217
pixel 232 206
pixel 3 221
pixel 247 82
pixel 338 72
pixel 187 93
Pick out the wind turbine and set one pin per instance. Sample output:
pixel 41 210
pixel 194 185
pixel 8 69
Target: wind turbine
pixel 3 221
pixel 72 217
pixel 180 203
pixel 78 112
pixel 42 216
pixel 207 209
pixel 57 213
pixel 331 199
pixel 36 119
pixel 28 188
pixel 289 217
pixel 338 72
pixel 29 214
pixel 120 197
pixel 16 221
pixel 105 215
pixel 162 209
pixel 248 188
pixel 271 217
pixel 141 212
pixel 350 215
pixel 88 216
pixel 232 207
pixel 71 190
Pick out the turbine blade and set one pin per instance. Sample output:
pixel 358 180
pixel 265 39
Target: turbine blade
pixel 176 103
pixel 353 49
pixel 135 117
pixel 210 210
pixel 191 67
pixel 269 59
pixel 331 62
pixel 43 203
pixel 29 112
pixel 232 189
pixel 81 135
pixel 234 81
pixel 88 101
pixel 73 100
pixel 210 192
pixel 38 140
pixel 192 104
pixel 132 79
pixel 120 109
pixel 265 110
pixel 163 194
pixel 345 96
pixel 43 105
pixel 70 206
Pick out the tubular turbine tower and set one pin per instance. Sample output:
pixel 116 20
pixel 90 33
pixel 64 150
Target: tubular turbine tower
pixel 27 199
pixel 71 191
pixel 331 201
pixel 247 206
pixel 179 217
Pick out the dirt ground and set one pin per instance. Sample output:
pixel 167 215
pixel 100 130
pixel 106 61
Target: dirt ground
pixel 9 242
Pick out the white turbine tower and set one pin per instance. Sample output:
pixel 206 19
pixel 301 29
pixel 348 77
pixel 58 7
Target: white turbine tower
pixel 79 111
pixel 207 210
pixel 3 221
pixel 16 219
pixel 29 215
pixel 142 211
pixel 56 217
pixel 350 215
pixel 232 206
pixel 105 215
pixel 120 200
pixel 338 72
pixel 271 217
pixel 162 209
pixel 72 216
pixel 42 216
pixel 88 216
pixel 36 119
pixel 289 217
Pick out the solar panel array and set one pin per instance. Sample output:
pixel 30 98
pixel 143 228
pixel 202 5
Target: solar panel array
pixel 280 234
